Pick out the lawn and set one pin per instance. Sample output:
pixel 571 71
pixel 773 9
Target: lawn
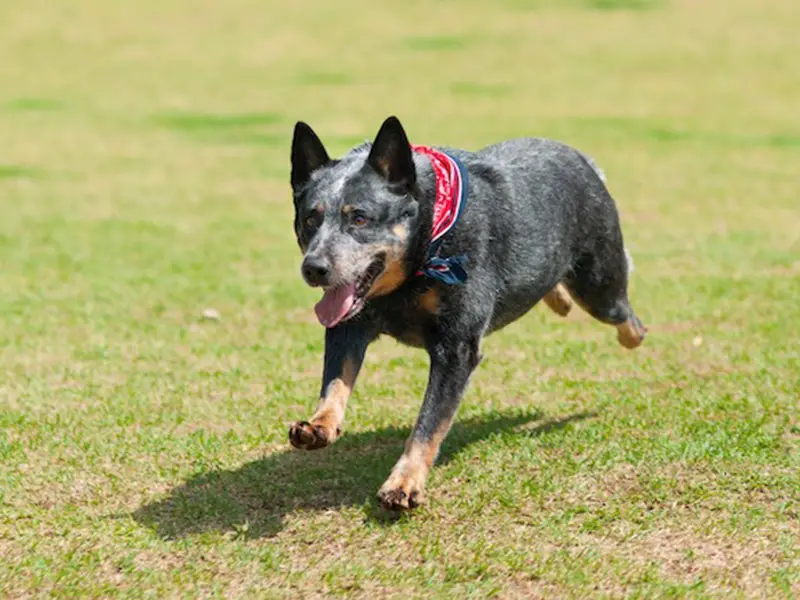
pixel 144 166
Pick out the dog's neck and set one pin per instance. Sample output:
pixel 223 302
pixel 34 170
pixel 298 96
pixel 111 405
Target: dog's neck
pixel 424 193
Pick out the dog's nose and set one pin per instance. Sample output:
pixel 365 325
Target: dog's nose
pixel 316 270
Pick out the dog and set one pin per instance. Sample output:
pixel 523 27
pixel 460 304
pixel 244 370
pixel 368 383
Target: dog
pixel 439 247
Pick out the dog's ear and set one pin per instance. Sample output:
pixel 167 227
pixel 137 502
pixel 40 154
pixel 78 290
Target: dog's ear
pixel 391 154
pixel 308 154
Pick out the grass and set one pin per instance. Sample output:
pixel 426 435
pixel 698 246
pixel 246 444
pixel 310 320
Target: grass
pixel 143 179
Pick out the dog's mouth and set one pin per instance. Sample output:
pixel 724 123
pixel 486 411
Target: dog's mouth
pixel 342 302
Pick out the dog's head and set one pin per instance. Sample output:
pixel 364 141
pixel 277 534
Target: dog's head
pixel 353 217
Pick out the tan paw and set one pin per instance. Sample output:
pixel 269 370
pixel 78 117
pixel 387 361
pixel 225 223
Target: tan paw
pixel 309 436
pixel 402 492
pixel 559 300
pixel 631 333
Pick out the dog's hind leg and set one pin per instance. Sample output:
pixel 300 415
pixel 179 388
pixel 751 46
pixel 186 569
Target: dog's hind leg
pixel 599 284
pixel 559 300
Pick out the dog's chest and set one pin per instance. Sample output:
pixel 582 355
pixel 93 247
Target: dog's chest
pixel 411 321
pixel 410 334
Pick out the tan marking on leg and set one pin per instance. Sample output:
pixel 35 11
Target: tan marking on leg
pixel 392 278
pixel 631 333
pixel 400 231
pixel 326 424
pixel 559 300
pixel 405 487
pixel 429 301
pixel 330 412
pixel 430 450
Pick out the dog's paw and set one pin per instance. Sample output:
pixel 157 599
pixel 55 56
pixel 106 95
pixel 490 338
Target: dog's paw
pixel 631 333
pixel 308 436
pixel 559 300
pixel 402 492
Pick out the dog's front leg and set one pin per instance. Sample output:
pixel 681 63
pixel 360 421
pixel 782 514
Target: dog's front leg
pixel 452 362
pixel 345 347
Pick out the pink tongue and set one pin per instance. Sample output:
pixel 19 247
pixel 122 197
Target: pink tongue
pixel 335 304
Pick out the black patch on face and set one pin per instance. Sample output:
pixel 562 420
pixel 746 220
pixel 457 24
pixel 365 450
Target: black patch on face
pixel 383 207
pixel 351 213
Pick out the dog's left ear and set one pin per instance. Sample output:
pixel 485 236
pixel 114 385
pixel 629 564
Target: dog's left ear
pixel 308 154
pixel 391 154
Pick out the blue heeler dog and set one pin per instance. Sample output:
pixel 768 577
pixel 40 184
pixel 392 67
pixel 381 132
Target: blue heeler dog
pixel 438 248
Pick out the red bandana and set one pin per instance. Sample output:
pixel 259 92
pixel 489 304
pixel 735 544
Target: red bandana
pixel 451 197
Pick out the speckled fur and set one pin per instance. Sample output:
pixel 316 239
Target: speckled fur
pixel 538 215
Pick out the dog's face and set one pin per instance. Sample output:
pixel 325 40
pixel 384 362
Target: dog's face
pixel 353 218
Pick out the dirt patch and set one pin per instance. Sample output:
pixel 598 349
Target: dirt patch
pixel 720 561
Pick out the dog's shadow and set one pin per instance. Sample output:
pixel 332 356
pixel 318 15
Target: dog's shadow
pixel 252 500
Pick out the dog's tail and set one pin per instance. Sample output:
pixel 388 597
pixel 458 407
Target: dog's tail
pixel 629 260
pixel 600 173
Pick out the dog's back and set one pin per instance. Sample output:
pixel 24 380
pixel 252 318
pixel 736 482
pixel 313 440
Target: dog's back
pixel 538 210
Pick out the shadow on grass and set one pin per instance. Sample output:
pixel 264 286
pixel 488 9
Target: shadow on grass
pixel 254 498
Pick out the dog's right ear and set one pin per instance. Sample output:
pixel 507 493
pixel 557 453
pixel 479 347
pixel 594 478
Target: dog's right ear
pixel 308 154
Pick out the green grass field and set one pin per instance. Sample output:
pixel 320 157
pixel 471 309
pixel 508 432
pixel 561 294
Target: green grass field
pixel 144 178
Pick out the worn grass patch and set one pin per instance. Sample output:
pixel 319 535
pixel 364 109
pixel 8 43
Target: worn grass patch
pixel 144 180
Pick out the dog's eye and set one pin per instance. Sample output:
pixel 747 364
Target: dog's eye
pixel 311 222
pixel 359 220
